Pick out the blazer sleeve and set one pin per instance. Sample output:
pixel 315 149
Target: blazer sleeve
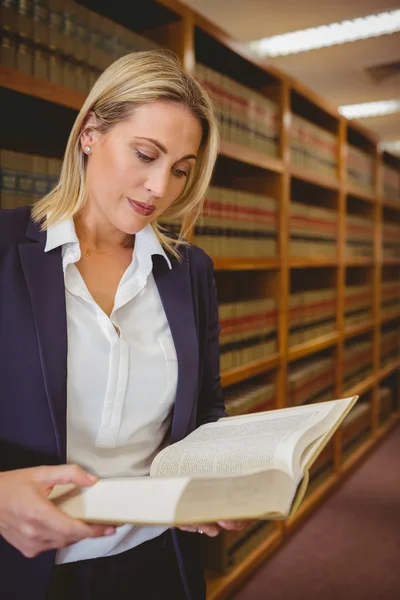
pixel 211 401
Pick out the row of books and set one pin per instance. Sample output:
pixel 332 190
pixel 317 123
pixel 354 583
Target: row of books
pixel 63 41
pixel 246 117
pixel 390 344
pixel 237 223
pixel 390 298
pixel 248 397
pixel 360 169
pixel 356 423
pixel 310 380
pixel 359 236
pixel 312 313
pixel 26 177
pixel 391 240
pixel 357 304
pixel 391 183
pixel 312 230
pixel 313 147
pixel 224 552
pixel 357 361
pixel 248 331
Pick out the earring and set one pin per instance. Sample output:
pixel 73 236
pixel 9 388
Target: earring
pixel 87 149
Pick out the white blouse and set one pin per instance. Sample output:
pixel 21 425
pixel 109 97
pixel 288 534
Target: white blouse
pixel 121 386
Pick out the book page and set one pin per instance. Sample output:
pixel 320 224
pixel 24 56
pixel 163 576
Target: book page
pixel 127 500
pixel 243 444
pixel 180 500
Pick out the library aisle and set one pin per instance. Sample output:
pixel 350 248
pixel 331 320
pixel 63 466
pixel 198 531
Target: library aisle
pixel 350 548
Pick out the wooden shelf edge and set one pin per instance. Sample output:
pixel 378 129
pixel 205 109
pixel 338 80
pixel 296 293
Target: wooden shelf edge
pixel 390 204
pixel 299 263
pixel 40 88
pixel 245 264
pixel 395 262
pixel 385 320
pixel 256 367
pixel 387 426
pixel 219 588
pixel 360 388
pixel 251 157
pixel 385 371
pixel 357 329
pixel 358 455
pixel 307 348
pixel 359 262
pixel 360 194
pixel 315 179
pixel 310 503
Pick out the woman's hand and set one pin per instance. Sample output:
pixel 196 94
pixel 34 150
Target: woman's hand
pixel 213 529
pixel 30 522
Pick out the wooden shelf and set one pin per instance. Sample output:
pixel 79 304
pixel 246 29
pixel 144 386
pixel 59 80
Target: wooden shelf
pixel 40 88
pixel 391 261
pixel 360 261
pixel 311 262
pixel 388 425
pixel 360 388
pixel 391 204
pixel 307 348
pixel 394 317
pixel 360 194
pixel 312 501
pixel 221 587
pixel 388 370
pixel 237 374
pixel 245 264
pixel 251 157
pixel 315 178
pixel 358 454
pixel 357 329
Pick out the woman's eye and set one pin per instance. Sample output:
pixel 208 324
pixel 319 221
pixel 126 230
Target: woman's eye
pixel 144 157
pixel 180 173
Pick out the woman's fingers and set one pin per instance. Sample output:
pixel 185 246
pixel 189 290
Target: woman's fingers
pixel 233 525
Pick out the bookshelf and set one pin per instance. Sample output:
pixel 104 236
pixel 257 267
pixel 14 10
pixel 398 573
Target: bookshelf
pixel 348 189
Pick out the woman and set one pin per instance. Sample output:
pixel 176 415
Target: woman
pixel 109 338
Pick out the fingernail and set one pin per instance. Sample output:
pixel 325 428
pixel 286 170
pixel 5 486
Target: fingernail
pixel 109 531
pixel 92 477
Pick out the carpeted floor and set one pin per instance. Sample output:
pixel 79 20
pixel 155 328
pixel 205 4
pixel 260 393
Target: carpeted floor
pixel 349 549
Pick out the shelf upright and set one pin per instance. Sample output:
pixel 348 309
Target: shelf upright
pixel 377 284
pixel 341 282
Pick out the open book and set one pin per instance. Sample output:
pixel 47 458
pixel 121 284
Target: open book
pixel 242 467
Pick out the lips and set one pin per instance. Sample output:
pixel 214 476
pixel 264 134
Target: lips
pixel 141 208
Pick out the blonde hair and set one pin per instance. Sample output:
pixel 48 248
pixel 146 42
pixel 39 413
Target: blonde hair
pixel 132 80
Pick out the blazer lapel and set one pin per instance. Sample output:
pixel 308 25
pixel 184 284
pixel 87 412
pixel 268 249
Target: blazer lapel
pixel 45 280
pixel 175 291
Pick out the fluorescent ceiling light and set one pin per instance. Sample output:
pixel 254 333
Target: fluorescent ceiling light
pixel 370 109
pixel 328 35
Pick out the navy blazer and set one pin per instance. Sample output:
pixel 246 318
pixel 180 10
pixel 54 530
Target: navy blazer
pixel 33 373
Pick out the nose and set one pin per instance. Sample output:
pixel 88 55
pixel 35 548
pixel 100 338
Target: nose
pixel 157 182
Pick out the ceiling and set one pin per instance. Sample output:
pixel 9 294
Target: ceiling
pixel 339 73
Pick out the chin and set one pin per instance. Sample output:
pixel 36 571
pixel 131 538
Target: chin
pixel 133 225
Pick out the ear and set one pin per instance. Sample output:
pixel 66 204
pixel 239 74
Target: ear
pixel 89 133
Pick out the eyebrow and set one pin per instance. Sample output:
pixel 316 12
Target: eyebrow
pixel 163 148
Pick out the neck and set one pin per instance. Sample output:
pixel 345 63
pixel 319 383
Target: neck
pixel 100 235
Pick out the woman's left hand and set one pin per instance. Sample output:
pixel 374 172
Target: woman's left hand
pixel 213 529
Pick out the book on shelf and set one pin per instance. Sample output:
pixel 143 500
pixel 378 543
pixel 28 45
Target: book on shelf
pixel 245 467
